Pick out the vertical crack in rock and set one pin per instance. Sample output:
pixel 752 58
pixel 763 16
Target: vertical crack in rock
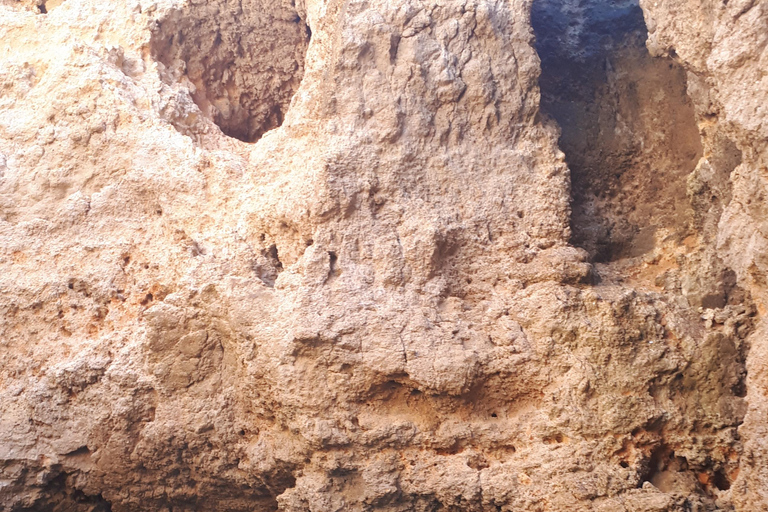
pixel 241 61
pixel 628 126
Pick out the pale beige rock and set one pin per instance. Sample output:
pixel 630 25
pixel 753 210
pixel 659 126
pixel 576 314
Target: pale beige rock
pixel 376 304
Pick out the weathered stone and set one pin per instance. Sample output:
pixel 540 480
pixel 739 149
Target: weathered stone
pixel 325 255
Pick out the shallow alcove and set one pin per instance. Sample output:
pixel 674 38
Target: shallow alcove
pixel 628 126
pixel 243 61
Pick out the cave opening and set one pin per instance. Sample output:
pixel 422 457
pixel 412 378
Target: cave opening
pixel 628 127
pixel 242 61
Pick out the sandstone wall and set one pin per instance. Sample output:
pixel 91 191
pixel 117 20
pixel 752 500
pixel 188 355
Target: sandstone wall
pixel 325 255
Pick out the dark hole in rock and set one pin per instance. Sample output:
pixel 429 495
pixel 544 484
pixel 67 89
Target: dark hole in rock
pixel 740 388
pixel 274 257
pixel 242 61
pixel 48 5
pixel 60 494
pixel 333 258
pixel 628 127
pixel 268 266
pixel 721 481
pixel 83 450
pixel 658 462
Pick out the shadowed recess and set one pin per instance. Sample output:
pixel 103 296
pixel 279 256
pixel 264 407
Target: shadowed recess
pixel 628 127
pixel 242 61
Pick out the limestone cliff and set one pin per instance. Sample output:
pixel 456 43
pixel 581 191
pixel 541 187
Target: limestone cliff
pixel 428 255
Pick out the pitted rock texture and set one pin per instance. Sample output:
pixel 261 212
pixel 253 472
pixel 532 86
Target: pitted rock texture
pixel 325 255
pixel 724 47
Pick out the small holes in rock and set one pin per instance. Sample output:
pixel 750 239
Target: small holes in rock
pixel 147 299
pixel 241 61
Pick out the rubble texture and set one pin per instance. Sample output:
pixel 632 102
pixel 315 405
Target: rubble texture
pixel 412 255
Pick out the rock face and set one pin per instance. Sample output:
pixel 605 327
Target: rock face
pixel 328 255
pixel 724 48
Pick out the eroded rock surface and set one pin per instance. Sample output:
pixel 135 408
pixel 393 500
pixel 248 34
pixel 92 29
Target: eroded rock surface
pixel 325 255
pixel 723 46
